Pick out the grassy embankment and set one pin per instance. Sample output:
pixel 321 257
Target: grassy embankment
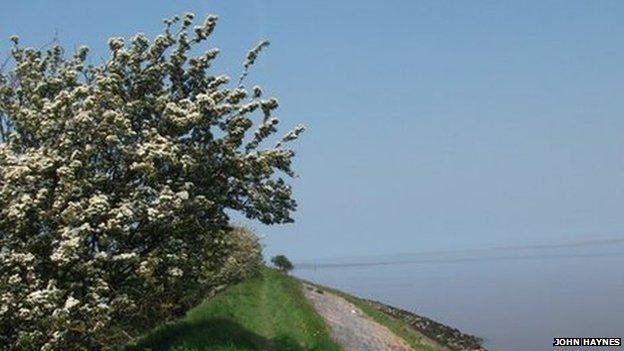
pixel 268 312
pixel 264 313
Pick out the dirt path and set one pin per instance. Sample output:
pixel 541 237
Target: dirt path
pixel 350 327
pixel 268 327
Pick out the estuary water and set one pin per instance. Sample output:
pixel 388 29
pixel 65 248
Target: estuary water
pixel 515 299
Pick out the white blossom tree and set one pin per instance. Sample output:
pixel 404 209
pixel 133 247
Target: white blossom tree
pixel 116 180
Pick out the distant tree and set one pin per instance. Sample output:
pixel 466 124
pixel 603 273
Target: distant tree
pixel 116 181
pixel 282 263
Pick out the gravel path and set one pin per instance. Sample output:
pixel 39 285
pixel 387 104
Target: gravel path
pixel 350 327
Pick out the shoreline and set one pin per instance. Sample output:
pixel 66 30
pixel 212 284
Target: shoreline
pixel 452 339
pixel 449 337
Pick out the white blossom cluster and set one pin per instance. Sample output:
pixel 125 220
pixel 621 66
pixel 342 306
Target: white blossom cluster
pixel 115 182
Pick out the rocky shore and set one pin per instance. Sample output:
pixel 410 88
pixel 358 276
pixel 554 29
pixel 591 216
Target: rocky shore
pixel 450 337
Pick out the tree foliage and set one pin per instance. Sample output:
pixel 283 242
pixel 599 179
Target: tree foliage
pixel 116 181
pixel 282 263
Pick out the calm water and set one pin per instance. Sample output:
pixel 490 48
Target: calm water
pixel 516 300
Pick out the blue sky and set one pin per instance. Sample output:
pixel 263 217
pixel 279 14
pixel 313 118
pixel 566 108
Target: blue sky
pixel 433 125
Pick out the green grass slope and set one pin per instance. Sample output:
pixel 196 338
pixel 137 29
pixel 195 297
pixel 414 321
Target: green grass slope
pixel 265 313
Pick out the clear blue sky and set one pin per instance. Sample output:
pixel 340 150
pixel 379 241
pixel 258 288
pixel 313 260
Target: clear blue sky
pixel 433 125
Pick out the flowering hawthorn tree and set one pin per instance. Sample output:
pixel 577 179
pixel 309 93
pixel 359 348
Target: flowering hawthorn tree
pixel 115 182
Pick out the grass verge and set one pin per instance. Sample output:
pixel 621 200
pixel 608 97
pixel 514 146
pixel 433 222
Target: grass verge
pixel 264 313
